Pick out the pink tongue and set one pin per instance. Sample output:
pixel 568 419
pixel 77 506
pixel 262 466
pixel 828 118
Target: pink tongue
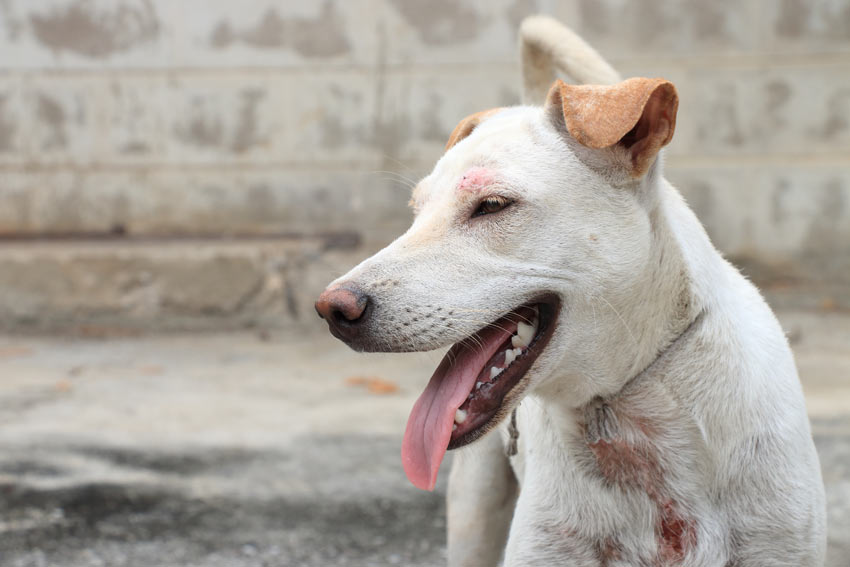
pixel 429 427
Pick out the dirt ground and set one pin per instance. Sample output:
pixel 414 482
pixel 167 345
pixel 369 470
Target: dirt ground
pixel 251 450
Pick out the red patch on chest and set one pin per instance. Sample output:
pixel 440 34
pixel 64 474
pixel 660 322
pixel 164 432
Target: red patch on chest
pixel 636 466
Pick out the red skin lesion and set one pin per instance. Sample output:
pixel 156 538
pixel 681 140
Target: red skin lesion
pixel 476 179
pixel 635 465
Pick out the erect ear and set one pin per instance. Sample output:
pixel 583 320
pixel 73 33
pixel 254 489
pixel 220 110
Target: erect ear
pixel 467 125
pixel 637 114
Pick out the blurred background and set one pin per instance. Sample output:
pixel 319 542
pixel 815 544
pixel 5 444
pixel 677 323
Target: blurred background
pixel 180 179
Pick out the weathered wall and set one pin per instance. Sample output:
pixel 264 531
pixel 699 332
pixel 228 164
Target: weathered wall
pixel 288 120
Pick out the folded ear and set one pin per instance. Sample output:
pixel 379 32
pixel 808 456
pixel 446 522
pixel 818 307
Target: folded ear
pixel 467 125
pixel 637 114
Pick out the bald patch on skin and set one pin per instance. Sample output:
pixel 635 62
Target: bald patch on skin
pixel 475 179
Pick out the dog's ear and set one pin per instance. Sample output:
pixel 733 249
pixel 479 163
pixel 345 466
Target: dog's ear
pixel 637 114
pixel 467 125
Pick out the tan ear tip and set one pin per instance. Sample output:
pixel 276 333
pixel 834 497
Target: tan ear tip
pixel 669 90
pixel 467 125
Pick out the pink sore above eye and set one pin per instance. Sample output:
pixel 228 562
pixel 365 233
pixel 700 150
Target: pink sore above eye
pixel 475 179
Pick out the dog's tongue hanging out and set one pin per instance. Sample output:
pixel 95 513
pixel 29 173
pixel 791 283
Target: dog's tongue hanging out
pixel 429 427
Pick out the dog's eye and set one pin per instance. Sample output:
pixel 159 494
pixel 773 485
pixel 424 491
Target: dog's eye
pixel 491 205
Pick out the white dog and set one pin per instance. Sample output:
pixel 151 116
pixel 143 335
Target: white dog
pixel 642 402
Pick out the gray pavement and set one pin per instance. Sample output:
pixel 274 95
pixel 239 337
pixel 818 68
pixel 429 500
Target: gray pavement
pixel 248 449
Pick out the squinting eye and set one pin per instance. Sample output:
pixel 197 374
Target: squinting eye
pixel 491 205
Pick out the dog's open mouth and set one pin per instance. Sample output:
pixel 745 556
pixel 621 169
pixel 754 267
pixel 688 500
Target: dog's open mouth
pixel 467 393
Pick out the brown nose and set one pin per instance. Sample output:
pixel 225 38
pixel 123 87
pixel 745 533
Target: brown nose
pixel 344 308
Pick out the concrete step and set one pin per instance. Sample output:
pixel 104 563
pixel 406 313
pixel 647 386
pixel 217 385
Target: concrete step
pixel 121 286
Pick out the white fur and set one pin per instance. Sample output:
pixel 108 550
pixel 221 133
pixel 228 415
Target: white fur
pixel 655 327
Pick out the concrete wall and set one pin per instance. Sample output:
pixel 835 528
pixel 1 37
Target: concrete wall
pixel 291 120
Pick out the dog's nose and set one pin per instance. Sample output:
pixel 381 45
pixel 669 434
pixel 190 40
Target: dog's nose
pixel 344 308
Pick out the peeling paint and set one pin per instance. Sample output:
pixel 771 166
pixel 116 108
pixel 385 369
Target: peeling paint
pixel 7 128
pixel 441 22
pixel 723 124
pixel 10 23
pixel 333 133
pixel 201 128
pixel 837 121
pixel 135 147
pixel 322 36
pixel 833 201
pixel 52 115
pixel 801 18
pixel 96 30
pixel 246 135
pixel 825 246
pixel 778 93
pixel 778 213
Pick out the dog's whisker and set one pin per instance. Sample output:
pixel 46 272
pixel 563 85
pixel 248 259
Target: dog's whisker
pixel 482 323
pixel 623 321
pixel 403 165
pixel 408 182
pixel 519 316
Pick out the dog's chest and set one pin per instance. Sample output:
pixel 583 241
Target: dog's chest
pixel 614 490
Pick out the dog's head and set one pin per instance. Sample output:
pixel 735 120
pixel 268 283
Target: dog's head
pixel 530 235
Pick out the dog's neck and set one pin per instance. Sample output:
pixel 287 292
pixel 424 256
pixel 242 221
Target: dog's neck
pixel 644 319
pixel 661 306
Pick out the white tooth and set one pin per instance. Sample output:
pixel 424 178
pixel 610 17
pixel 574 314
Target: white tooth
pixel 517 341
pixel 494 371
pixel 510 355
pixel 460 416
pixel 454 427
pixel 478 385
pixel 517 351
pixel 525 332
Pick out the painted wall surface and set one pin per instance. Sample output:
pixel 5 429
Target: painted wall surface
pixel 308 119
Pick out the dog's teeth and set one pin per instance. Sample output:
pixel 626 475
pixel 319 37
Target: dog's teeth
pixel 525 332
pixel 516 341
pixel 454 427
pixel 460 416
pixel 517 352
pixel 494 371
pixel 510 356
pixel 478 385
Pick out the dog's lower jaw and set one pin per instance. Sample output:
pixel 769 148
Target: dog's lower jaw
pixel 504 386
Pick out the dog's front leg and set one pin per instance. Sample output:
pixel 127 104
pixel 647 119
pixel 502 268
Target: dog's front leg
pixel 481 499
